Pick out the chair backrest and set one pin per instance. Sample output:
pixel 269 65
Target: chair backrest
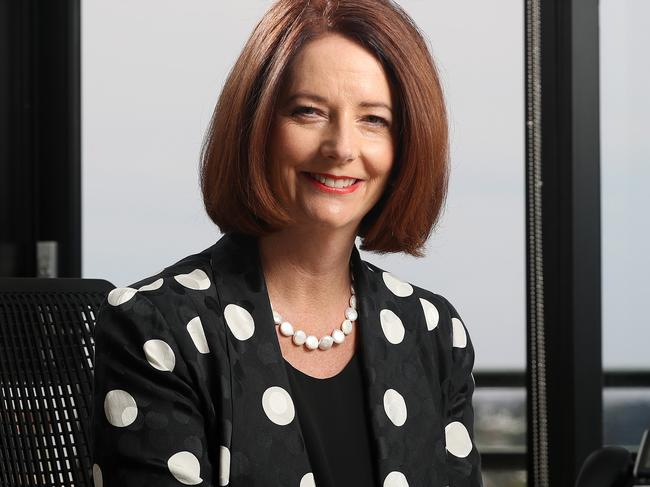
pixel 46 377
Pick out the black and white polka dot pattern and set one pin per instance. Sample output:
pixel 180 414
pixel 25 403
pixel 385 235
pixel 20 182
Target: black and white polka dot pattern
pixel 191 388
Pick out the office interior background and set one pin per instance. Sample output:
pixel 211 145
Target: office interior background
pixel 100 135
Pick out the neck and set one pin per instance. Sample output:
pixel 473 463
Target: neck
pixel 307 269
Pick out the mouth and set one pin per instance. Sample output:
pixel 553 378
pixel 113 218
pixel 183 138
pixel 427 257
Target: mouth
pixel 333 184
pixel 332 181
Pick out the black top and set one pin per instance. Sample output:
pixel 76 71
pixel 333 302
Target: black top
pixel 332 415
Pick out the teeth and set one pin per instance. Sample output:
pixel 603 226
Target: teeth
pixel 333 183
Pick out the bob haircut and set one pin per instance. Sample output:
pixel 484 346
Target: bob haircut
pixel 235 180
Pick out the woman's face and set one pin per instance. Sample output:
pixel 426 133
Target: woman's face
pixel 333 120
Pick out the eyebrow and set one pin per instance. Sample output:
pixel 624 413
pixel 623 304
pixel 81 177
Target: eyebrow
pixel 318 98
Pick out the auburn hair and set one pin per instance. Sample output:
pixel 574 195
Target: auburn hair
pixel 234 178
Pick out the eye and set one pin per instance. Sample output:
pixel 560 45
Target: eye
pixel 302 110
pixel 378 120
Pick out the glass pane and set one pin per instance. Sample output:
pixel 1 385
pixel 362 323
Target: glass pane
pixel 476 258
pixel 625 157
pixel 154 94
pixel 151 75
pixel 500 422
pixel 626 416
pixel 625 172
pixel 504 478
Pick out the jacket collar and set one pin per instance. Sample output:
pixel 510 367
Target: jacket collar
pixel 262 449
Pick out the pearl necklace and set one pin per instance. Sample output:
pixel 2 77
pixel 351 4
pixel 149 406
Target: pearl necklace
pixel 312 342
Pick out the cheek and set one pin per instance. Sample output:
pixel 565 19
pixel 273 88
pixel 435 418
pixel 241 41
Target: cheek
pixel 292 146
pixel 382 156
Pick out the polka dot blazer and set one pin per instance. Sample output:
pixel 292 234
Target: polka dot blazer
pixel 190 387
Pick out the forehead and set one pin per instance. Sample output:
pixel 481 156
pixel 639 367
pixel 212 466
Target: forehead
pixel 333 63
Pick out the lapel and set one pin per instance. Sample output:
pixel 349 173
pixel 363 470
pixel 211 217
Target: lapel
pixel 267 445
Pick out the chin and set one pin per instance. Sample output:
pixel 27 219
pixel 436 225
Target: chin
pixel 319 216
pixel 333 223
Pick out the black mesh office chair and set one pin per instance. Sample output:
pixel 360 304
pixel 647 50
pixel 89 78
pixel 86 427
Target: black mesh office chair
pixel 46 370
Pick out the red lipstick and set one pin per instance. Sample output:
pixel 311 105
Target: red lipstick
pixel 318 185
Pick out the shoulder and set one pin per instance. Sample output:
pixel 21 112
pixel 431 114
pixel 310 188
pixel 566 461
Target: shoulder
pixel 437 311
pixel 192 272
pixel 165 309
pixel 171 302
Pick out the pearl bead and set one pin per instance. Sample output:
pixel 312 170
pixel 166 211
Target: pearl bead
pixel 351 288
pixel 353 301
pixel 325 342
pixel 286 328
pixel 312 342
pixel 299 337
pixel 346 326
pixel 351 314
pixel 338 336
pixel 277 318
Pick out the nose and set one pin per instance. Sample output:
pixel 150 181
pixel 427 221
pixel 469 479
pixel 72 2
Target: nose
pixel 340 142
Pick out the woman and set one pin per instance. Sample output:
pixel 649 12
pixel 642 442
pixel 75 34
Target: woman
pixel 277 357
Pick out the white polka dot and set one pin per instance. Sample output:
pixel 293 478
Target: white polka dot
pixel 98 480
pixel 460 337
pixel 392 326
pixel 395 407
pixel 239 321
pixel 185 468
pixel 307 480
pixel 197 280
pixel 458 441
pixel 159 355
pixel 397 286
pixel 278 406
pixel 224 465
pixel 120 408
pixel 431 314
pixel 195 329
pixel 395 479
pixel 120 295
pixel 153 286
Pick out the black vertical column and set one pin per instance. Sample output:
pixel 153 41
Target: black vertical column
pixel 40 135
pixel 564 267
pixel 17 146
